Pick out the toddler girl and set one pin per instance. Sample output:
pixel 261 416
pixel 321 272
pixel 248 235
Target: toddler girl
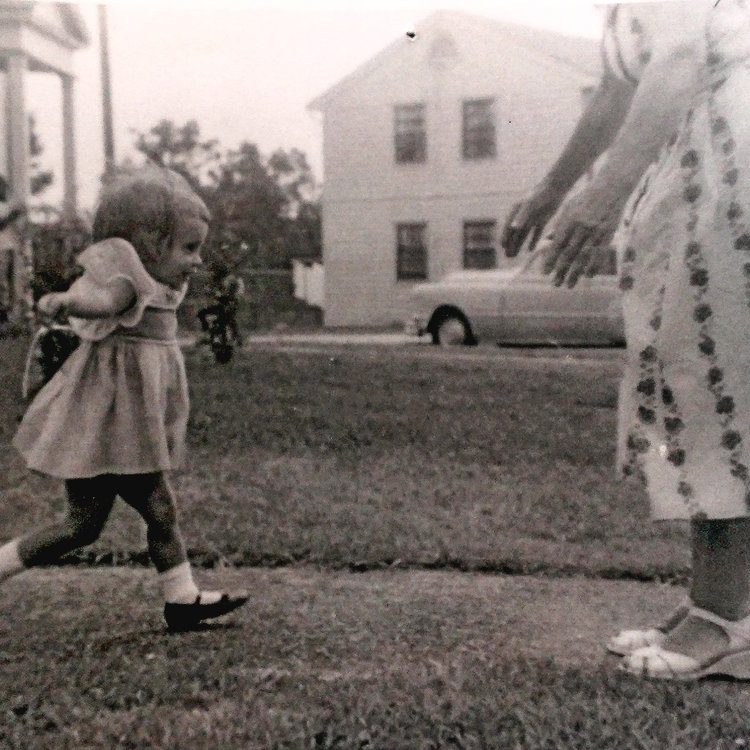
pixel 112 421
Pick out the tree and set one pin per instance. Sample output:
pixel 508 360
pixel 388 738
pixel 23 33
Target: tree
pixel 307 229
pixel 248 204
pixel 293 174
pixel 181 149
pixel 39 179
pixel 264 210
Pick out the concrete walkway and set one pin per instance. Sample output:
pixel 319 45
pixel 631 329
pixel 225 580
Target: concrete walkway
pixel 336 337
pixel 405 345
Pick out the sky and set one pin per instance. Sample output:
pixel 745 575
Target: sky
pixel 243 70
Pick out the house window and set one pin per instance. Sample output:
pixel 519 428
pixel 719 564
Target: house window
pixel 479 245
pixel 409 133
pixel 479 128
pixel 411 252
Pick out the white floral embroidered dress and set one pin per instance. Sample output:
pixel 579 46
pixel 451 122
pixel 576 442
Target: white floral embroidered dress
pixel 684 250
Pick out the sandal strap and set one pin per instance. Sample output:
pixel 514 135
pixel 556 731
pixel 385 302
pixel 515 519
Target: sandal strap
pixel 737 630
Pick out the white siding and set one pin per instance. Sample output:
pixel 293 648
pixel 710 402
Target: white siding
pixel 366 193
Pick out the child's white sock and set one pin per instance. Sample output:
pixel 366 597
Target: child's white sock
pixel 10 562
pixel 178 586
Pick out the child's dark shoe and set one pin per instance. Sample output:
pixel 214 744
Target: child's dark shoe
pixel 182 617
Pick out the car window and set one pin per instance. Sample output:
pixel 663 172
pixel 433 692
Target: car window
pixel 534 265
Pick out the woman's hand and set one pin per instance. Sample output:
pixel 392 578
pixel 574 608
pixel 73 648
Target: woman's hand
pixel 579 241
pixel 530 216
pixel 582 251
pixel 592 136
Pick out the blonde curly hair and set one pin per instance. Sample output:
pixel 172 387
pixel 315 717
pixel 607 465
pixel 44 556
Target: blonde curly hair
pixel 143 205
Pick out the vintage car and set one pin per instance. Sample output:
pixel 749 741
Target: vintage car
pixel 516 306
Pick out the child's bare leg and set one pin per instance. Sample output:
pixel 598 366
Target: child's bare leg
pixel 89 505
pixel 186 606
pixel 152 497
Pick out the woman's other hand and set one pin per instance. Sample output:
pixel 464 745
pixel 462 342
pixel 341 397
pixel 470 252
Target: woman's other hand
pixel 529 217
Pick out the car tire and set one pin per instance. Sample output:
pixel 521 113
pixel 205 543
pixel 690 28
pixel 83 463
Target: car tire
pixel 452 331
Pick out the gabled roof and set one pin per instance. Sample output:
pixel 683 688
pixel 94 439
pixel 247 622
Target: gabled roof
pixel 580 55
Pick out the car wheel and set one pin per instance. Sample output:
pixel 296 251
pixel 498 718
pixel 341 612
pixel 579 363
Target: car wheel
pixel 452 331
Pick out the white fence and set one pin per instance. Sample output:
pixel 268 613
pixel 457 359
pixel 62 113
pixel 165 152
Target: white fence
pixel 308 281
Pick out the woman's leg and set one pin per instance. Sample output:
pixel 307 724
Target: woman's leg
pixel 721 566
pixel 721 584
pixel 89 505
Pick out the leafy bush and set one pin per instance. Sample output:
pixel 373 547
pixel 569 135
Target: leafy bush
pixel 55 243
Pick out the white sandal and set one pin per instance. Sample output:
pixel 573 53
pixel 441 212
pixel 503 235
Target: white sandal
pixel 657 663
pixel 627 641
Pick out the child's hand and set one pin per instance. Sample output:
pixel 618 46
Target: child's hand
pixel 52 305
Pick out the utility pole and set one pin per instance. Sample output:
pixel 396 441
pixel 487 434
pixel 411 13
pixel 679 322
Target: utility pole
pixel 109 139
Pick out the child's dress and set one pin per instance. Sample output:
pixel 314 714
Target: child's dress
pixel 119 404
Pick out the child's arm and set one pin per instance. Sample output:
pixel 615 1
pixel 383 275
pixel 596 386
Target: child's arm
pixel 85 301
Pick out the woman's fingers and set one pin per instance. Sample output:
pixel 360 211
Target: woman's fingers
pixel 579 262
pixel 576 246
pixel 580 250
pixel 573 247
pixel 594 257
pixel 510 229
pixel 516 228
pixel 561 247
pixel 529 217
pixel 535 236
pixel 599 262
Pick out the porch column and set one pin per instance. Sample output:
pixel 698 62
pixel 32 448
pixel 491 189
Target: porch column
pixel 18 169
pixel 70 198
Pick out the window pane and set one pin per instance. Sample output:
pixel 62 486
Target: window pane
pixel 479 128
pixel 409 134
pixel 479 245
pixel 411 252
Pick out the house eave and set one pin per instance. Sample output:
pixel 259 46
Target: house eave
pixel 516 33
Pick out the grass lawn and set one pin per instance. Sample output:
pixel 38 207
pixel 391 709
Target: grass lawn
pixel 365 495
pixel 368 457
pixel 319 659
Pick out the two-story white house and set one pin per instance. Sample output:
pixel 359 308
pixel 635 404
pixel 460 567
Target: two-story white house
pixel 427 146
